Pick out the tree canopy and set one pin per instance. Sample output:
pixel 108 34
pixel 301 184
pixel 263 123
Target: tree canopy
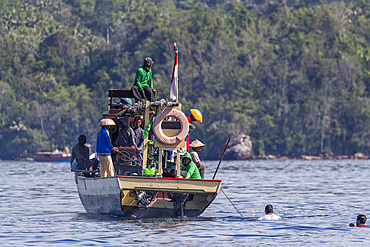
pixel 293 74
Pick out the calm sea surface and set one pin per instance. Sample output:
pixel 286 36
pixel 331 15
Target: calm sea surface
pixel 39 206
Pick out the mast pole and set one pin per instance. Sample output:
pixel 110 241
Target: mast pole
pixel 177 77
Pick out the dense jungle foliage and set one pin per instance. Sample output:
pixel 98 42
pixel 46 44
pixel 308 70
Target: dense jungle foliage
pixel 294 74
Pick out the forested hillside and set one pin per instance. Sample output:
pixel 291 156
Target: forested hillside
pixel 294 74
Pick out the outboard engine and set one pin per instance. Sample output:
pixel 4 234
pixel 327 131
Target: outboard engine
pixel 142 197
pixel 179 200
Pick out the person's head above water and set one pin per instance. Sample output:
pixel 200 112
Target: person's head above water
pixel 269 209
pixel 361 219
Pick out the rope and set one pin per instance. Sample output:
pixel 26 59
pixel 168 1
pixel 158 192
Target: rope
pixel 231 202
pixel 128 157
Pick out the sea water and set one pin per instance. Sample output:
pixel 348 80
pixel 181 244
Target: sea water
pixel 316 200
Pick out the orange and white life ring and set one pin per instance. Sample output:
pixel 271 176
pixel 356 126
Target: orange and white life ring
pixel 158 131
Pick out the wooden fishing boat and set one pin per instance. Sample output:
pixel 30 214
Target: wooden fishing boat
pixel 139 191
pixel 148 184
pixel 147 197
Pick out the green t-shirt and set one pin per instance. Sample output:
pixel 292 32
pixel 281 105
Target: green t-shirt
pixel 191 169
pixel 143 79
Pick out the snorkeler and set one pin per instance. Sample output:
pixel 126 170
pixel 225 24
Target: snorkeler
pixel 360 222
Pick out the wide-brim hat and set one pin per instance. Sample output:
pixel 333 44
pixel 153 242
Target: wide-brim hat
pixel 196 143
pixel 107 122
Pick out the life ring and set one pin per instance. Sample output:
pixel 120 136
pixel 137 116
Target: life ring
pixel 158 131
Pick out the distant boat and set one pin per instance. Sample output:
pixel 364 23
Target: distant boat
pixel 56 156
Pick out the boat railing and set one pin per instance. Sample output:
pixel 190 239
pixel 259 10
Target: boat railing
pixel 85 171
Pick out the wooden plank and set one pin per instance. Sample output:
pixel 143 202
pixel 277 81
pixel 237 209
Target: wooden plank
pixel 171 132
pixel 178 164
pixel 120 93
pixel 170 147
pixel 176 185
pixel 160 170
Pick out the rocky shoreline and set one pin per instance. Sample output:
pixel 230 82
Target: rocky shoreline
pixel 241 148
pixel 356 156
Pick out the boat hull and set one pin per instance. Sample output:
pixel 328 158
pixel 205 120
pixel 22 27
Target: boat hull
pixel 145 197
pixel 100 195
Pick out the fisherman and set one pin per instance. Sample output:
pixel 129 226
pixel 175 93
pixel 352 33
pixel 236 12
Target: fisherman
pixel 189 166
pixel 269 210
pixel 126 105
pixel 104 148
pixel 143 84
pixel 126 135
pixel 80 157
pixel 139 133
pixel 195 115
pixel 197 146
pixel 360 222
pixel 80 150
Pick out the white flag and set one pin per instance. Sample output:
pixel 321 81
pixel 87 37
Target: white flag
pixel 175 78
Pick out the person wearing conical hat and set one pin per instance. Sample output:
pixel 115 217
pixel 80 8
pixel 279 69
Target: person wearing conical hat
pixel 197 146
pixel 104 148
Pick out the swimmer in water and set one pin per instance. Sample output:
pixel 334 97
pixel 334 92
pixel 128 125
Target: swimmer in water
pixel 360 222
pixel 269 210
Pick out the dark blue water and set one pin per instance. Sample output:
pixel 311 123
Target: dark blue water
pixel 39 206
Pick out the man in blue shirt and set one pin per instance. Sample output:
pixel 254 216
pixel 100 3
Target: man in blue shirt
pixel 104 147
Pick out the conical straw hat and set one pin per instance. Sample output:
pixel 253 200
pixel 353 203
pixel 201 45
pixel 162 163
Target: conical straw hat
pixel 196 144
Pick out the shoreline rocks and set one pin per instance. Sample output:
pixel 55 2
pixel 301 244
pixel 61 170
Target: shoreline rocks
pixel 313 157
pixel 240 148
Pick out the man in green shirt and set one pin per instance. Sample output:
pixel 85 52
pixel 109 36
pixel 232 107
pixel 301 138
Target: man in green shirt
pixel 143 85
pixel 190 167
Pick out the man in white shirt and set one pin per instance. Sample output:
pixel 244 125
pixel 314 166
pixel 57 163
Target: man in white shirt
pixel 197 146
pixel 269 210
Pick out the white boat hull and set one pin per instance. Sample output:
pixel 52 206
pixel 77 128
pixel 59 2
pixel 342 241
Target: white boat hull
pixel 100 195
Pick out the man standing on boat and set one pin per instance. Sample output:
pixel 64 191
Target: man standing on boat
pixel 139 133
pixel 143 85
pixel 104 147
pixel 126 135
